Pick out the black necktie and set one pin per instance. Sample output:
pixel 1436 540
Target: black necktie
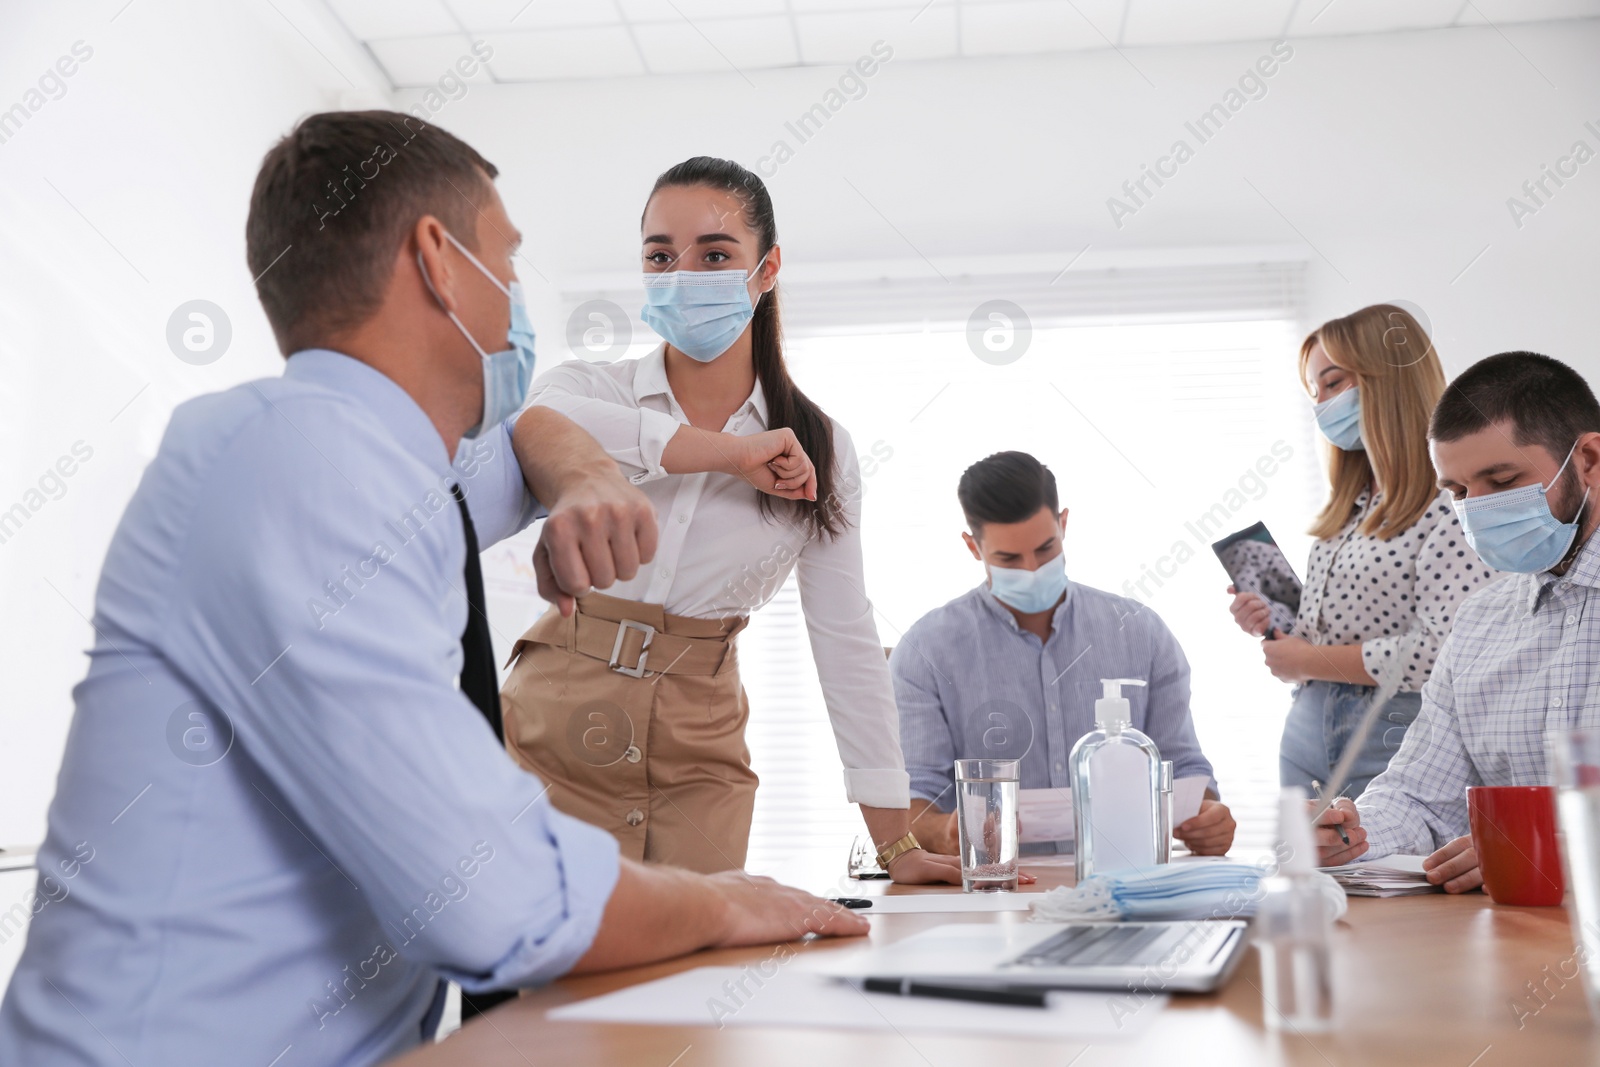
pixel 479 680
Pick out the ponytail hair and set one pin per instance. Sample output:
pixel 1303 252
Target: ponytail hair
pixel 787 406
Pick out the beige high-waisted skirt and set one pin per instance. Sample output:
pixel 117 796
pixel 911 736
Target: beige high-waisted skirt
pixel 635 720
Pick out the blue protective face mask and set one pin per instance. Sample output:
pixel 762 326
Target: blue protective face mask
pixel 699 312
pixel 1030 592
pixel 1515 530
pixel 508 372
pixel 1339 419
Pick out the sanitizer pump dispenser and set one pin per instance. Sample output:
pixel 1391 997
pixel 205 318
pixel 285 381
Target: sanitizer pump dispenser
pixel 1116 786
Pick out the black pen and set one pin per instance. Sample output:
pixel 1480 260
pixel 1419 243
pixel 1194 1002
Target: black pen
pixel 905 987
pixel 853 902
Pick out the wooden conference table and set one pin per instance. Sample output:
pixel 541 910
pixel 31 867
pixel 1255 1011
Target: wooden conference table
pixel 1429 979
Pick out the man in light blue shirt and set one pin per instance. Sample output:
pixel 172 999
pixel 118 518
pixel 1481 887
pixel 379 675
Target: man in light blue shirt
pixel 1011 670
pixel 279 825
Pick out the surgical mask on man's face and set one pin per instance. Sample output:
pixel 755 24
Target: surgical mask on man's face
pixel 507 372
pixel 1515 530
pixel 1030 592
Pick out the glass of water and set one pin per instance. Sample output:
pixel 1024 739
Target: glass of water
pixel 986 814
pixel 1575 764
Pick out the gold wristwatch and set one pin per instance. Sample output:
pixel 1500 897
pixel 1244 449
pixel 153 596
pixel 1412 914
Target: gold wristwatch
pixel 889 853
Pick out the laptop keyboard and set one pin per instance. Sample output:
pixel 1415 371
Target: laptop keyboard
pixel 1104 945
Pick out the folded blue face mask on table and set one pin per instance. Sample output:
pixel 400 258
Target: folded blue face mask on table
pixel 1194 888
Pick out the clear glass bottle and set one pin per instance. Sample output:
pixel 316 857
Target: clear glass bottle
pixel 1116 785
pixel 1292 930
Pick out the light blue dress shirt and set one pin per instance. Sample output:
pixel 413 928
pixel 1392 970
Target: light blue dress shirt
pixel 971 684
pixel 278 823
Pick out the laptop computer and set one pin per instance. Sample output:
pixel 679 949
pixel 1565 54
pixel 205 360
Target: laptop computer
pixel 1189 957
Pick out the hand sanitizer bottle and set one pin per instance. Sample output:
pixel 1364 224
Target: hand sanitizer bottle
pixel 1292 931
pixel 1116 781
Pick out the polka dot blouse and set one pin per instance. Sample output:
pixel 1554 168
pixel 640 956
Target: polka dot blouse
pixel 1395 598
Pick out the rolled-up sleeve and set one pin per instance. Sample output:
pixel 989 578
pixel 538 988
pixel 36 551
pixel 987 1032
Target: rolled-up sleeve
pixel 347 704
pixel 492 484
pixel 635 437
pixel 1448 571
pixel 848 652
pixel 1419 802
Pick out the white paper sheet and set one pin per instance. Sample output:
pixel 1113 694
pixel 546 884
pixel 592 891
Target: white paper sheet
pixel 951 901
pixel 1045 815
pixel 1187 793
pixel 775 993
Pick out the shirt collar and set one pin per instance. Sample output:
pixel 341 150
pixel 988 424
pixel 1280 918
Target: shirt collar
pixel 1585 570
pixel 400 415
pixel 650 379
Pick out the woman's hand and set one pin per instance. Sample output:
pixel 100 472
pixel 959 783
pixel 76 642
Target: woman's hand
pixel 1251 612
pixel 1291 659
pixel 774 463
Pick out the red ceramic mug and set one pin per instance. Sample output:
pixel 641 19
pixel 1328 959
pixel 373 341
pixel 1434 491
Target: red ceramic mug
pixel 1514 834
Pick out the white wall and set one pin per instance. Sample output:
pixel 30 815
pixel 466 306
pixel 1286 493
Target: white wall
pixel 119 200
pixel 1392 156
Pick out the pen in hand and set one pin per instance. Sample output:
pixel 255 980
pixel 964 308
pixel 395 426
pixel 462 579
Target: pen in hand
pixel 1316 785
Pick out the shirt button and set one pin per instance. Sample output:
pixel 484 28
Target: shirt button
pixel 635 817
pixel 633 755
pixel 1566 584
pixel 1058 765
pixel 1571 619
pixel 1556 703
pixel 683 518
pixel 665 573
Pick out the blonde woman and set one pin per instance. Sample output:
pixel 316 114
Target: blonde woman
pixel 1390 564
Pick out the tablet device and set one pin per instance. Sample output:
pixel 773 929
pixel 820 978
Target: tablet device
pixel 1256 564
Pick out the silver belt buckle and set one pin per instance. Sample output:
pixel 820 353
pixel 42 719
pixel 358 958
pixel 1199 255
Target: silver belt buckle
pixel 623 627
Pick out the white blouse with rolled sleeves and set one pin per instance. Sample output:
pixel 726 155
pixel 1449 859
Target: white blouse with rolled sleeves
pixel 1396 598
pixel 720 554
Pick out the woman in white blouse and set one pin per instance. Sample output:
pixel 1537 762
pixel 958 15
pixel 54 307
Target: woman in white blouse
pixel 631 708
pixel 1390 564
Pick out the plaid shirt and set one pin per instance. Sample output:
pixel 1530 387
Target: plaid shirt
pixel 1523 658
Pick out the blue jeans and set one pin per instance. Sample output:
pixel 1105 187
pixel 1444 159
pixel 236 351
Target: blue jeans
pixel 1320 722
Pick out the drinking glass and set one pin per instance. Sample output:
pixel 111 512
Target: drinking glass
pixel 986 814
pixel 1575 766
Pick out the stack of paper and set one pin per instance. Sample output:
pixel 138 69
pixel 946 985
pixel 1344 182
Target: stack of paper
pixel 1392 876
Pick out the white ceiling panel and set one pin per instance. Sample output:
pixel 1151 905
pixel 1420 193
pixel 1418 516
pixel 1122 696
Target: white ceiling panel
pixel 839 37
pixel 544 40
pixel 1319 17
pixel 710 45
pixel 590 52
pixel 482 15
pixel 418 61
pixel 1019 26
pixel 369 19
pixel 678 10
pixel 1156 22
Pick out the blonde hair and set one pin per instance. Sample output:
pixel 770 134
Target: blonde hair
pixel 1401 380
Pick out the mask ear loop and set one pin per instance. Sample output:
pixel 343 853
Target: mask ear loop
pixel 421 266
pixel 757 270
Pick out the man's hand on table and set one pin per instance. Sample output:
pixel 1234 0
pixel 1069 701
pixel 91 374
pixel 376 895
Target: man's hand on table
pixel 1455 866
pixel 1332 850
pixel 760 911
pixel 1210 831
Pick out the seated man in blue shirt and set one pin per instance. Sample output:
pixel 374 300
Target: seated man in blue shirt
pixel 1516 440
pixel 1011 670
pixel 279 825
